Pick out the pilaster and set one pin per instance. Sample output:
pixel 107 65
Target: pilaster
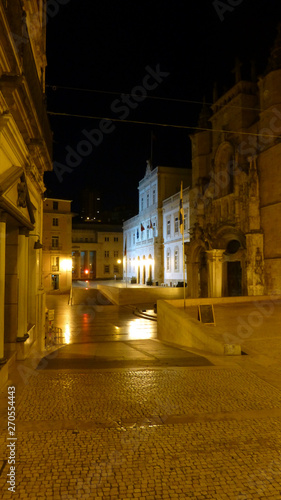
pixel 215 260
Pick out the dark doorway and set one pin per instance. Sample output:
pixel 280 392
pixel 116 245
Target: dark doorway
pixel 234 279
pixel 203 275
pixel 55 281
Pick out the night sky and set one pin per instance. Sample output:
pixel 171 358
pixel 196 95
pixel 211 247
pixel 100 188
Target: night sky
pixel 168 54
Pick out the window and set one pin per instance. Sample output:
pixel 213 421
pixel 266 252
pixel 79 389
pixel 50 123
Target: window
pixel 153 196
pixel 185 222
pixel 147 232
pixel 115 238
pixel 176 225
pixel 168 260
pixel 55 221
pixel 168 227
pixel 55 264
pixel 106 253
pixel 115 253
pixel 116 269
pixel 142 204
pixel 106 238
pixel 55 241
pixel 134 239
pixel 176 259
pixel 106 269
pixel 55 205
pixel 147 199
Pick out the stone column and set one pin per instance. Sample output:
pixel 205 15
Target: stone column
pixel 215 260
pixel 78 264
pixel 22 283
pixel 2 282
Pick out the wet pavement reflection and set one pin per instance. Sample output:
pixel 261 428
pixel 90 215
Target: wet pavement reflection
pixel 105 336
pixel 96 322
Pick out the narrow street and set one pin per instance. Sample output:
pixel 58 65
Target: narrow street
pixel 114 414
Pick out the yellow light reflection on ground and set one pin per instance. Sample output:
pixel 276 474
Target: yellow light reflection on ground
pixel 140 329
pixel 67 334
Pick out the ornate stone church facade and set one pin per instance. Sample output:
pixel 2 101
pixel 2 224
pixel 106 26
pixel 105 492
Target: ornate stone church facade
pixel 25 154
pixel 235 200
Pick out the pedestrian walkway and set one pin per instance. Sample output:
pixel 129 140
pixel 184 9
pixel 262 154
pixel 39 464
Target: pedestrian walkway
pixel 152 431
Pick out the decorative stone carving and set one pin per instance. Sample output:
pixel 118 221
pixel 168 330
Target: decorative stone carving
pixel 22 194
pixel 197 232
pixel 259 267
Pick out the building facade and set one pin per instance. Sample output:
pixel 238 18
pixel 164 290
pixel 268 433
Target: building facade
pixel 57 243
pixel 97 251
pixel 235 200
pixel 174 271
pixel 144 235
pixel 25 152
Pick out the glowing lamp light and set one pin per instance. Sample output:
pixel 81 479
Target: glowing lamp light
pixel 67 334
pixel 66 265
pixel 118 261
pixel 86 271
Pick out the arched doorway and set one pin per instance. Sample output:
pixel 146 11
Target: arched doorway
pixel 138 271
pixel 144 271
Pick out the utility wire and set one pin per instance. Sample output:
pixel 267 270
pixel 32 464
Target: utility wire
pixel 186 101
pixel 187 127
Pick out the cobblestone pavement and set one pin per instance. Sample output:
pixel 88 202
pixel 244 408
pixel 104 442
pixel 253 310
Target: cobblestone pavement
pixel 201 432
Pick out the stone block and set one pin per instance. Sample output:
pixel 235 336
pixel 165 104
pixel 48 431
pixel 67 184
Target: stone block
pixel 232 350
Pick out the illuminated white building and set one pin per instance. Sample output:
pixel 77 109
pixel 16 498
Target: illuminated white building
pixel 173 240
pixel 144 235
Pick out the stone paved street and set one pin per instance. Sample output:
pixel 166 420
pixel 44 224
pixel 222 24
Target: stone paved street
pixel 182 427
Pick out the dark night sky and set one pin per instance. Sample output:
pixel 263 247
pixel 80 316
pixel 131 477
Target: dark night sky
pixel 106 46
